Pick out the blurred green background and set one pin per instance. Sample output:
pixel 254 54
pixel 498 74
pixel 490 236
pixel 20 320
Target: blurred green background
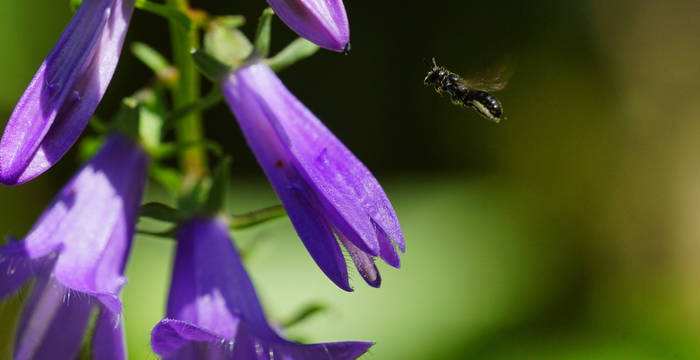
pixel 569 231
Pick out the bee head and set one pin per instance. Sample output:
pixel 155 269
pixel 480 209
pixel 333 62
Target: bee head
pixel 434 73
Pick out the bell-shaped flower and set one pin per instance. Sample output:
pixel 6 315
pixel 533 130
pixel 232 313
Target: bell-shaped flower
pixel 77 250
pixel 64 93
pixel 323 22
pixel 213 311
pixel 326 190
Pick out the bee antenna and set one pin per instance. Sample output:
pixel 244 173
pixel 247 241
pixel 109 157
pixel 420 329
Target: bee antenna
pixel 434 63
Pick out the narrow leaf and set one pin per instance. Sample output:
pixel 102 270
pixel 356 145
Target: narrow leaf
pixel 167 12
pixel 263 33
pixel 155 61
pixel 297 50
pixel 170 178
pixel 161 212
pixel 232 21
pixel 172 149
pixel 216 200
pixel 256 217
pixel 209 66
pixel 303 314
pixel 211 99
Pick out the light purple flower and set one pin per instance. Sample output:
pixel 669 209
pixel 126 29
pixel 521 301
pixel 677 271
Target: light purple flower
pixel 326 190
pixel 213 311
pixel 77 250
pixel 63 95
pixel 323 22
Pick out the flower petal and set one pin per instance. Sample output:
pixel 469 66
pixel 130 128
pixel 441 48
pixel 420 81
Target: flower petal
pixel 108 338
pixel 323 22
pixel 176 339
pixel 302 204
pixel 62 96
pixel 352 199
pixel 53 322
pixel 14 271
pixel 202 267
pixel 213 308
pixel 363 262
pixel 91 222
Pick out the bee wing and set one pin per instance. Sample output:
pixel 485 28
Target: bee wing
pixel 491 79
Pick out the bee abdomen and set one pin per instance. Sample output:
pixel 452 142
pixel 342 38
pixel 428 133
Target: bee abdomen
pixel 485 104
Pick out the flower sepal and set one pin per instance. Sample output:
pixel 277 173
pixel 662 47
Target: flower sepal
pixel 210 66
pixel 224 42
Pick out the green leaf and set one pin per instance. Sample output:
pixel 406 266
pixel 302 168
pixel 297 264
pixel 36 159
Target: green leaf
pixel 98 125
pixel 127 118
pixel 256 217
pixel 155 61
pixel 191 201
pixel 167 12
pixel 169 233
pixel 297 50
pixel 226 43
pixel 150 123
pixel 158 211
pixel 89 146
pixel 303 314
pixel 232 21
pixel 75 4
pixel 170 178
pixel 211 99
pixel 263 33
pixel 210 66
pixel 216 200
pixel 172 149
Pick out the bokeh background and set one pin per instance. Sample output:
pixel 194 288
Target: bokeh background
pixel 569 231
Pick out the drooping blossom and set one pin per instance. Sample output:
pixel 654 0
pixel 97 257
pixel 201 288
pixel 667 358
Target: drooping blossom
pixel 323 22
pixel 213 311
pixel 326 190
pixel 77 251
pixel 64 93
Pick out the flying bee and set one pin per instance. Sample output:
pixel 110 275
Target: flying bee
pixel 474 91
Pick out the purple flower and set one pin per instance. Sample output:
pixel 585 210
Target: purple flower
pixel 63 95
pixel 213 311
pixel 326 190
pixel 323 22
pixel 77 250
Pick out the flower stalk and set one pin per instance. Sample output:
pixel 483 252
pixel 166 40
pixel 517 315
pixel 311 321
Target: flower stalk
pixel 189 129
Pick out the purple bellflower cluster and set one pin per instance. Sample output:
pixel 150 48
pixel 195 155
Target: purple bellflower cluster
pixel 77 250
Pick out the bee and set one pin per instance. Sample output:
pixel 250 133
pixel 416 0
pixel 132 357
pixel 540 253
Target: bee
pixel 475 91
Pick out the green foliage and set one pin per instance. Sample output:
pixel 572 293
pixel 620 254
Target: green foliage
pixel 264 33
pixel 209 66
pixel 224 42
pixel 297 50
pixel 170 13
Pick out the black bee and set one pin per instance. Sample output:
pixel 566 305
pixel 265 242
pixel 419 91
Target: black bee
pixel 472 92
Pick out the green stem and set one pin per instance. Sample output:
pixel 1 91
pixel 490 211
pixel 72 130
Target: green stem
pixel 192 160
